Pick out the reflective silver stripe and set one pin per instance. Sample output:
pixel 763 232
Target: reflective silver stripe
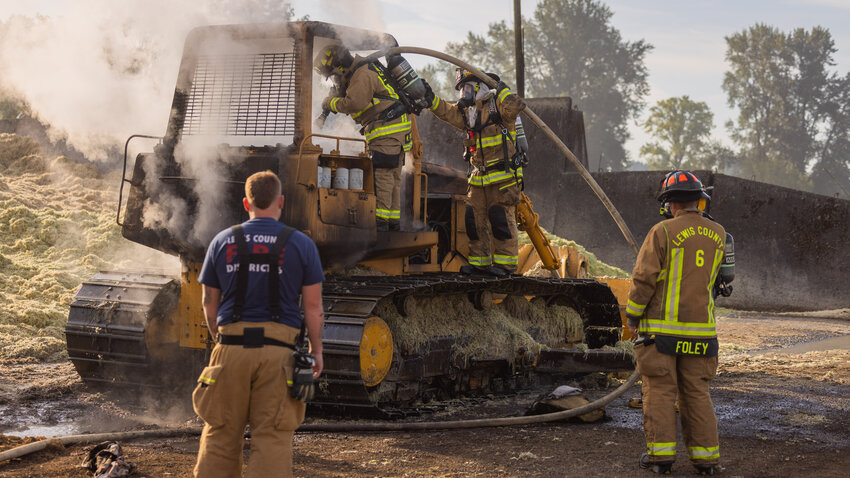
pixel 674 283
pixel 704 453
pixel 480 261
pixel 502 259
pixel 663 449
pixel 693 329
pixel 718 256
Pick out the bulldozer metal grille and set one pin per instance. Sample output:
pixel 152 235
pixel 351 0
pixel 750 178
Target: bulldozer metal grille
pixel 245 95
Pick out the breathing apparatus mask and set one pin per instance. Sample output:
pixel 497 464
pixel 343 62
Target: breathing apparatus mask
pixel 470 92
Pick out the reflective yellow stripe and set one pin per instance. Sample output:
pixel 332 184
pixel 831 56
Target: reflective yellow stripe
pixel 490 141
pixel 704 453
pixel 674 284
pixel 715 268
pixel 503 94
pixel 691 329
pixel 207 379
pixel 407 146
pixel 506 186
pixel 508 260
pixel 494 177
pixel 334 101
pixel 436 103
pixel 393 128
pixel 635 309
pixel 479 261
pixel 388 213
pixel 661 449
pixel 374 102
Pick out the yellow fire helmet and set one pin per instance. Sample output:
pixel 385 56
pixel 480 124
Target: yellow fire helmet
pixel 332 59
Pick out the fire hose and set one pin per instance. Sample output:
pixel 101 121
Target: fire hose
pixel 407 426
pixel 332 427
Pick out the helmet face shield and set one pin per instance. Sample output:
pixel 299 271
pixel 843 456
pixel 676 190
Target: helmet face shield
pixel 468 91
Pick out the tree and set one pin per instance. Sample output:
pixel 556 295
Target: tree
pixel 571 50
pixel 681 128
pixel 790 117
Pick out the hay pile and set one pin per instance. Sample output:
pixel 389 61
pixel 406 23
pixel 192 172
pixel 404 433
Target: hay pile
pixel 57 228
pixel 493 333
pixel 595 267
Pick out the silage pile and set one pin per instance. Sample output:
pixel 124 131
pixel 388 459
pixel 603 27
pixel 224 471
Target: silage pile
pixel 57 228
pixel 595 267
pixel 496 332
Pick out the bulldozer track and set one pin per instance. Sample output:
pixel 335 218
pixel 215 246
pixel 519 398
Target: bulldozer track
pixel 109 338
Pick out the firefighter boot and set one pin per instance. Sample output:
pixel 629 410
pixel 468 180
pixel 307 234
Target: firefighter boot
pixel 707 470
pixel 661 468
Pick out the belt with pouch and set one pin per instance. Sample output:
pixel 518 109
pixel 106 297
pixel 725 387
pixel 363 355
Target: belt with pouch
pixel 252 338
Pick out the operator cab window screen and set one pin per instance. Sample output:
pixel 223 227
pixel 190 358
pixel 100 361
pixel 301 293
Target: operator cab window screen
pixel 242 94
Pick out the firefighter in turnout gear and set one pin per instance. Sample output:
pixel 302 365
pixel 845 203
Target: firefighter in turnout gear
pixel 365 94
pixel 488 116
pixel 671 309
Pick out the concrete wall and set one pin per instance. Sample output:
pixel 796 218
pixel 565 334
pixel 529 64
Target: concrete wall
pixel 792 247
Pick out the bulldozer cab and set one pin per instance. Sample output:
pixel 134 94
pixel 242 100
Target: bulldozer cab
pixel 245 101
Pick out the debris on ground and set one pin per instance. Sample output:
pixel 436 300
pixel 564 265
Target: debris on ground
pixel 564 398
pixel 106 460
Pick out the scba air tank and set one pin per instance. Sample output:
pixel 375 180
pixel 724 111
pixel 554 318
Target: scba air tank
pixel 521 141
pixel 406 77
pixel 727 269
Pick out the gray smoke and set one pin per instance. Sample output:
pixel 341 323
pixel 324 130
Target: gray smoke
pixel 102 70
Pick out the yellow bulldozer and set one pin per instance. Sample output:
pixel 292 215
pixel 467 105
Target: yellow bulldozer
pixel 409 328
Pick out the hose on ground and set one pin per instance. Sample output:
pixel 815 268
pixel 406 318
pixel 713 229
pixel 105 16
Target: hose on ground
pixel 33 447
pixel 333 427
pixel 594 186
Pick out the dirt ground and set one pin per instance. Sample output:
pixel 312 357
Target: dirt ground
pixel 782 396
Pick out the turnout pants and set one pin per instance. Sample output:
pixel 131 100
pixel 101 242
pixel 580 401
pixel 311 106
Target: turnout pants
pixel 491 218
pixel 664 377
pixel 386 167
pixel 248 386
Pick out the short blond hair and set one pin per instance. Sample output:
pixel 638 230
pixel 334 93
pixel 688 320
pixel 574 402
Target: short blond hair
pixel 262 189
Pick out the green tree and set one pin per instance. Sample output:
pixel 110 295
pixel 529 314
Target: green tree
pixel 681 128
pixel 787 97
pixel 571 50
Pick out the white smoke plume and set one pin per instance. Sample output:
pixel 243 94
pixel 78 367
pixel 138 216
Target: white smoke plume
pixel 100 70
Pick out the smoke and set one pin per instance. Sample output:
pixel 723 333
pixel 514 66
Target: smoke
pixel 103 70
pixel 362 14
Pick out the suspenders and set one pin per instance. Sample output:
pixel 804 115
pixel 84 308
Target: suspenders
pixel 270 258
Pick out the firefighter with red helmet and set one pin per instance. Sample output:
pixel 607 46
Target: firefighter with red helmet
pixel 671 310
pixel 489 118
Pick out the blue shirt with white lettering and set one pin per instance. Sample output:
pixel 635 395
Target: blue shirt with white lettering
pixel 299 266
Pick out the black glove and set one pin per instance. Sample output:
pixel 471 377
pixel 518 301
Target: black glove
pixel 501 86
pixel 303 386
pixel 519 160
pixel 429 94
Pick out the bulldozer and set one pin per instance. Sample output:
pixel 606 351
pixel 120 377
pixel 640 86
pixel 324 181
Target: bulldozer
pixel 410 328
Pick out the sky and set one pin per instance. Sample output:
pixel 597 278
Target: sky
pixel 688 36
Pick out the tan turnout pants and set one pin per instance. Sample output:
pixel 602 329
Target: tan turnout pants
pixel 248 386
pixel 491 217
pixel 388 194
pixel 388 180
pixel 664 377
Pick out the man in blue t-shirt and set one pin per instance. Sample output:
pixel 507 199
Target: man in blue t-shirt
pixel 255 318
